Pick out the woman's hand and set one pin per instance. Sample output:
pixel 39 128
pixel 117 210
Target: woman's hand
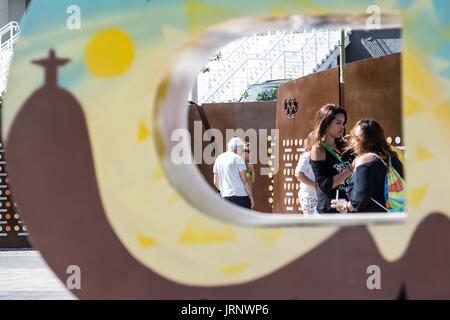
pixel 340 205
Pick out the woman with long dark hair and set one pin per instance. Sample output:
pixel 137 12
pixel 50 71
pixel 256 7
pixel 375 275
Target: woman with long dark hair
pixel 330 165
pixel 373 156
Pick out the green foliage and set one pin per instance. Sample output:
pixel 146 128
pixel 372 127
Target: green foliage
pixel 267 95
pixel 216 57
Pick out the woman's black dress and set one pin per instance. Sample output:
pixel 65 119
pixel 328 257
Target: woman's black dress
pixel 324 171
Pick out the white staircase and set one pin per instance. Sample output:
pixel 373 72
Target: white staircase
pixel 8 37
pixel 330 59
pixel 255 59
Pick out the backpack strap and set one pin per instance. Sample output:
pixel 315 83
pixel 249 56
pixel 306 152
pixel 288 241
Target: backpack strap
pixel 377 156
pixel 379 204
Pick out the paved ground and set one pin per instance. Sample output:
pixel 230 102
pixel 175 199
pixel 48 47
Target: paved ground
pixel 24 275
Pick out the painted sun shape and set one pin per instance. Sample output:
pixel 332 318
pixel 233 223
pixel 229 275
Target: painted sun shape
pixel 109 53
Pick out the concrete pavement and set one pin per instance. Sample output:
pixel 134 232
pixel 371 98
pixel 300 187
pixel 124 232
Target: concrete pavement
pixel 24 275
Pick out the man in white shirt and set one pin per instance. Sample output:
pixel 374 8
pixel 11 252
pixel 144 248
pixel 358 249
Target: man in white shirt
pixel 229 175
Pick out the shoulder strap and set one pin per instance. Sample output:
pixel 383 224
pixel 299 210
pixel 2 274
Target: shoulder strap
pixel 377 156
pixel 379 204
pixel 330 150
pixel 387 167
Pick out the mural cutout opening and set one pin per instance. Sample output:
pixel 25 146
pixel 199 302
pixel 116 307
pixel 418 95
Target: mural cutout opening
pixel 306 123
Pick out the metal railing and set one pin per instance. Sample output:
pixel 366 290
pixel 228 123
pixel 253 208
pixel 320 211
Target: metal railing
pixel 278 60
pixel 232 68
pixel 9 34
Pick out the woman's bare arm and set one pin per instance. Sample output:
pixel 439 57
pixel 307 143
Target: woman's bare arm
pixel 304 179
pixel 318 154
pixel 340 178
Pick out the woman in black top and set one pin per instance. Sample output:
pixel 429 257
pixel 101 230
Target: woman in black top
pixel 366 194
pixel 331 168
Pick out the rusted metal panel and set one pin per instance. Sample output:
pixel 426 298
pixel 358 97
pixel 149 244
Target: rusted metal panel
pixel 373 89
pixel 310 93
pixel 223 116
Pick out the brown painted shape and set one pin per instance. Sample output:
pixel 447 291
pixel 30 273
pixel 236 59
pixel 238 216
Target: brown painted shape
pixel 311 93
pixel 249 115
pixel 54 180
pixel 426 264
